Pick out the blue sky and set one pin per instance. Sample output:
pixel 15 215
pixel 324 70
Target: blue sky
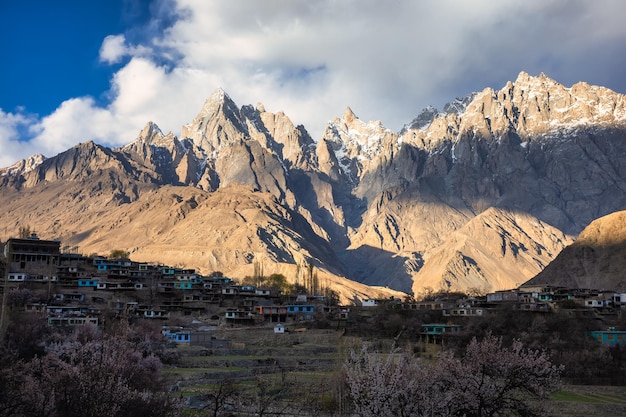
pixel 51 48
pixel 101 69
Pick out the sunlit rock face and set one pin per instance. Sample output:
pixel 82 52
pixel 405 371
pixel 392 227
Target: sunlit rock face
pixel 480 195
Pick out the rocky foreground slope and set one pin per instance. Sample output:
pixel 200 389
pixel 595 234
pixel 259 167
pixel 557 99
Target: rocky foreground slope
pixel 482 195
pixel 596 260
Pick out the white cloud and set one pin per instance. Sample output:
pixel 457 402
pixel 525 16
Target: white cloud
pixel 75 120
pixel 142 92
pixel 136 86
pixel 12 148
pixel 113 49
pixel 311 59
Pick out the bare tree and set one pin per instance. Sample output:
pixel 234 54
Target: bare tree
pixel 271 392
pixel 220 396
pixel 25 232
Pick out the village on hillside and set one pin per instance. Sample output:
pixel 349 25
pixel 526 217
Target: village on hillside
pixel 73 289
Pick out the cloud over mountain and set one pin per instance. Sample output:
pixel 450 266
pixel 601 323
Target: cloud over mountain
pixel 312 59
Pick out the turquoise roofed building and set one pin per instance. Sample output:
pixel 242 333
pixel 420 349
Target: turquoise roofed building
pixel 610 337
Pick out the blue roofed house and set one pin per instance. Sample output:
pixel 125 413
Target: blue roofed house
pixel 176 335
pixel 300 311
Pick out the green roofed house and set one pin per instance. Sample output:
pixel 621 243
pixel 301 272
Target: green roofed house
pixel 433 332
pixel 433 329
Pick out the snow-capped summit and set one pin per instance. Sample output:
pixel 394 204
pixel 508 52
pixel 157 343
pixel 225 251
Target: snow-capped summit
pixel 540 105
pixel 356 144
pixel 422 120
pixel 23 166
pixel 458 105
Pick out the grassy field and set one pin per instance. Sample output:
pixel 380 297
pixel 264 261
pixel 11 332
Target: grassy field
pixel 584 400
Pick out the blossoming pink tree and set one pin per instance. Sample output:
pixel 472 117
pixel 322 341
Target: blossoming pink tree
pixel 492 380
pixel 388 385
pixel 489 380
pixel 88 375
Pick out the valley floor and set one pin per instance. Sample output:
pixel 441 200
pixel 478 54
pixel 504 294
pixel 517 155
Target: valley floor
pixel 312 360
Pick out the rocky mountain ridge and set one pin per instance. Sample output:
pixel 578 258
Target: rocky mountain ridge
pixel 481 195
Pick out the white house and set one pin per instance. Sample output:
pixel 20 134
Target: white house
pixel 370 302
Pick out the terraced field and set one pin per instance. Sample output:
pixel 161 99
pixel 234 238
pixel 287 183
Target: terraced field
pixel 260 366
pixel 298 373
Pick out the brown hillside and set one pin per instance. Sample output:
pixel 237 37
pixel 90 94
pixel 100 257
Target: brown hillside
pixel 596 260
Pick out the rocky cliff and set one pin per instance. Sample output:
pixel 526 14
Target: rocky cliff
pixel 483 194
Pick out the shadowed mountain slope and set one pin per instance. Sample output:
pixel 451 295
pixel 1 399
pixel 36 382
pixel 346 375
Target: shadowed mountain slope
pixel 597 259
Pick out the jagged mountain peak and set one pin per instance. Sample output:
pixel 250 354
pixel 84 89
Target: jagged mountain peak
pixel 528 87
pixel 90 146
pixel 423 119
pixel 151 129
pixel 218 123
pixel 536 106
pixel 581 104
pixel 23 166
pixel 218 96
pixel 348 116
pixel 459 104
pixel 525 78
pixel 218 102
pixel 76 164
pixel 269 143
pixel 355 138
pixel 173 161
pixel 529 106
pixel 427 115
pixel 350 147
pixel 152 136
pixel 366 134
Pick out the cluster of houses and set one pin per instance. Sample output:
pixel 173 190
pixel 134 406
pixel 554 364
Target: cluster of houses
pixel 79 289
pixel 535 298
pixel 539 298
